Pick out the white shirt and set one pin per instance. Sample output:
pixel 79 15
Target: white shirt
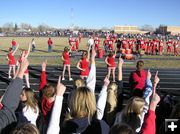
pixel 91 42
pixel 30 114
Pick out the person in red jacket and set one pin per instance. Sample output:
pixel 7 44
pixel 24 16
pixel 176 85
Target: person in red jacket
pixel 50 44
pixel 161 44
pixel 72 43
pixel 47 96
pixel 66 63
pixel 148 47
pixel 176 45
pixel 83 65
pixel 137 78
pixel 110 61
pixel 12 62
pixel 169 47
pixel 77 44
pixel 13 43
pixel 110 42
pixel 97 43
pixel 154 46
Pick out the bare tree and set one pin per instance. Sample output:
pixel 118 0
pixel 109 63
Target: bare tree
pixel 8 27
pixel 147 27
pixel 25 26
pixel 15 27
pixel 43 27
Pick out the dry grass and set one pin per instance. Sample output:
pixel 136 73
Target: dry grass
pixel 60 43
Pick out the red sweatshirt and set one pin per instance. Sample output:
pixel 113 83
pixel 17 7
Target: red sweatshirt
pixel 137 79
pixel 43 81
pixel 149 125
pixel 46 106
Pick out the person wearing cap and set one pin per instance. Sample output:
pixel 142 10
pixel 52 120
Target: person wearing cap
pixel 66 63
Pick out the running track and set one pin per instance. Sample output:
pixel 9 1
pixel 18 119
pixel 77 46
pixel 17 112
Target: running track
pixel 169 79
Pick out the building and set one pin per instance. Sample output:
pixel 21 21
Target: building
pixel 128 29
pixel 169 29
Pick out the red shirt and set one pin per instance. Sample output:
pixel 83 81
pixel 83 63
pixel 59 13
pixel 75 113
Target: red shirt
pixel 84 65
pixel 96 41
pixel 111 60
pixel 138 79
pixel 50 42
pixel 11 59
pixel 66 58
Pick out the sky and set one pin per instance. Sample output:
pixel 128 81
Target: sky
pixel 90 13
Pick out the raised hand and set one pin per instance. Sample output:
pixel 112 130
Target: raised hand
pixel 148 74
pixel 106 81
pixel 43 65
pixel 156 79
pixel 60 88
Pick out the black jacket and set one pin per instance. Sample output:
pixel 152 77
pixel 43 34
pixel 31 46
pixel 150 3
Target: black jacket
pixel 82 126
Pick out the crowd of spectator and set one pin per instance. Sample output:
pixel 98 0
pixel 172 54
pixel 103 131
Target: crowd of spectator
pixel 22 112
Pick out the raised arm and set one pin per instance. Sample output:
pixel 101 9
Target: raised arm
pixel 149 122
pixel 120 63
pixel 91 79
pixel 11 98
pixel 56 111
pixel 101 103
pixel 43 80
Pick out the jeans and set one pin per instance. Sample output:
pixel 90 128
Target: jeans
pixel 33 47
pixel 49 48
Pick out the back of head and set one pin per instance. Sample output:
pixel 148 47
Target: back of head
pixel 132 111
pixel 49 91
pixel 110 54
pixel 111 97
pixel 134 105
pixel 26 129
pixel 31 100
pixel 140 65
pixel 121 129
pixel 82 103
pixel 79 83
pixel 66 49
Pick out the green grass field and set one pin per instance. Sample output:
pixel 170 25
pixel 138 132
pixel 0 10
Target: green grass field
pixel 37 57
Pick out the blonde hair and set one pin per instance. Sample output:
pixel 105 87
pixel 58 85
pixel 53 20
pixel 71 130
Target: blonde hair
pixel 131 114
pixel 82 103
pixel 112 96
pixel 111 103
pixel 31 100
pixel 79 83
pixel 134 105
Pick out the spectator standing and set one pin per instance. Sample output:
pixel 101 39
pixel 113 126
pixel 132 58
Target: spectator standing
pixel 33 45
pixel 50 43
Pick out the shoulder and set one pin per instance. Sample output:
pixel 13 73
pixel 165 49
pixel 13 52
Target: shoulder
pixel 98 126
